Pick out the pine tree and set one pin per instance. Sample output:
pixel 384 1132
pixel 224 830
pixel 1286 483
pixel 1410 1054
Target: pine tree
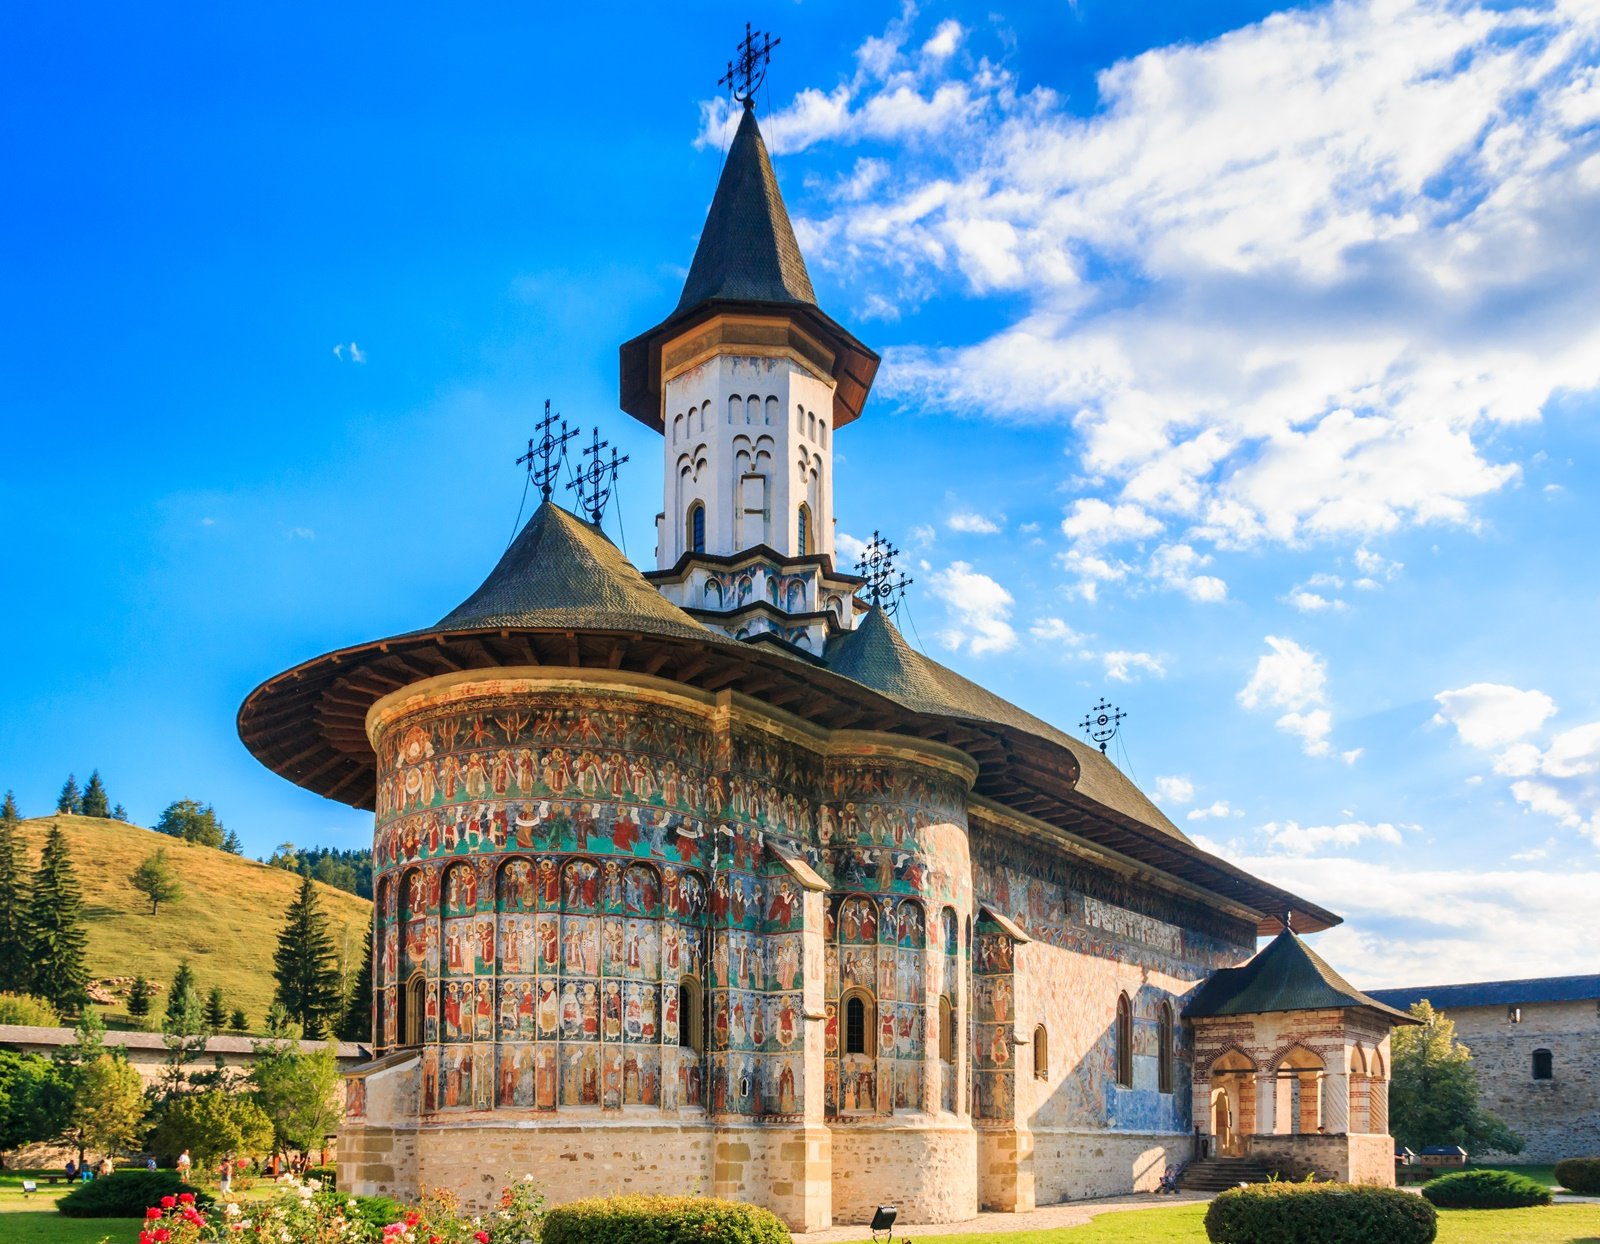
pixel 119 813
pixel 70 801
pixel 95 800
pixel 231 843
pixel 184 992
pixel 13 912
pixel 192 821
pixel 306 967
pixel 155 879
pixel 139 995
pixel 238 1021
pixel 356 1023
pixel 55 928
pixel 216 1010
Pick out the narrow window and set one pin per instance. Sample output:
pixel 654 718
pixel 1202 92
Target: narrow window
pixel 691 1016
pixel 947 1030
pixel 697 528
pixel 1041 1053
pixel 411 1010
pixel 803 528
pixel 1543 1065
pixel 1124 1041
pixel 1164 1068
pixel 860 1023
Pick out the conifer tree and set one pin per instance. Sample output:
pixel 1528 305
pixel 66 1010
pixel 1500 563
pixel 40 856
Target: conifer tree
pixel 183 1031
pixel 95 800
pixel 139 995
pixel 156 880
pixel 70 801
pixel 13 912
pixel 184 992
pixel 56 939
pixel 119 813
pixel 356 1023
pixel 306 967
pixel 216 1010
pixel 238 1020
pixel 231 843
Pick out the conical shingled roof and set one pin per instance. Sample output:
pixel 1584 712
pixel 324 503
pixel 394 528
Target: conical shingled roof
pixel 1287 976
pixel 747 251
pixel 877 655
pixel 562 572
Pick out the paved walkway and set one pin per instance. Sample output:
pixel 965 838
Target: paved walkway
pixel 1071 1214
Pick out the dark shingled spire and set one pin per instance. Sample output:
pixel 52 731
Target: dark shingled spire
pixel 562 572
pixel 747 250
pixel 1287 976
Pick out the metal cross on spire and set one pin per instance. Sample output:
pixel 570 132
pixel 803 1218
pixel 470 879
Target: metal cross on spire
pixel 885 586
pixel 748 69
pixel 1102 722
pixel 597 478
pixel 546 453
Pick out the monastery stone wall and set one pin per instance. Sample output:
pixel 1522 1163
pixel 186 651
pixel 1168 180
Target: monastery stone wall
pixel 1559 1117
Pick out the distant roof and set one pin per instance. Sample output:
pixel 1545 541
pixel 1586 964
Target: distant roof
pixel 1287 976
pixel 1495 993
pixel 747 250
pixel 31 1034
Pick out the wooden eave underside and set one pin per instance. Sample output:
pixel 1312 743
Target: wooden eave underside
pixel 309 725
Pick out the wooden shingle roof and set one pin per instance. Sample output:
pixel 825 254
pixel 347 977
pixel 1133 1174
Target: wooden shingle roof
pixel 1287 976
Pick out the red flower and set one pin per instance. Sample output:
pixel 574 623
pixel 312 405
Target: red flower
pixel 167 1202
pixel 163 1235
pixel 152 1212
pixel 413 1218
pixel 482 1237
pixel 185 1198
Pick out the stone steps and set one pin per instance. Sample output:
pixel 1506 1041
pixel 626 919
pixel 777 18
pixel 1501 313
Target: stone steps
pixel 1218 1174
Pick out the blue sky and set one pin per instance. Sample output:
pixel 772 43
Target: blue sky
pixel 1240 366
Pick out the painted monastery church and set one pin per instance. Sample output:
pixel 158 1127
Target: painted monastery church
pixel 702 878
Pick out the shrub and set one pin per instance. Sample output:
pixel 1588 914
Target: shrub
pixel 663 1220
pixel 126 1194
pixel 1580 1175
pixel 328 1176
pixel 376 1211
pixel 1283 1213
pixel 24 1008
pixel 1485 1190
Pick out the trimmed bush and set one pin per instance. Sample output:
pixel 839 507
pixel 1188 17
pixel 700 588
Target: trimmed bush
pixel 1581 1175
pixel 376 1212
pixel 1283 1213
pixel 663 1220
pixel 126 1194
pixel 1485 1190
pixel 327 1175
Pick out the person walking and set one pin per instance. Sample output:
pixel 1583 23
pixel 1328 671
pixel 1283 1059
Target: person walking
pixel 185 1162
pixel 150 1164
pixel 226 1172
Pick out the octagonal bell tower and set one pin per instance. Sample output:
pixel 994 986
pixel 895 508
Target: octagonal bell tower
pixel 748 381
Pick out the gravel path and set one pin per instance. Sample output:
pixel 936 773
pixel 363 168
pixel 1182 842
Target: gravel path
pixel 1071 1214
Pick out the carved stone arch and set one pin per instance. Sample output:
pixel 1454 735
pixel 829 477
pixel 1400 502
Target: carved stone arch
pixel 752 409
pixel 1297 1056
pixel 770 413
pixel 1375 1068
pixel 1231 1059
pixel 1358 1059
pixel 735 409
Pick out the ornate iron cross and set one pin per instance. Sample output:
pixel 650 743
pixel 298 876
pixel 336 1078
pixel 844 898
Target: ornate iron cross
pixel 546 453
pixel 596 479
pixel 1102 723
pixel 885 586
pixel 748 69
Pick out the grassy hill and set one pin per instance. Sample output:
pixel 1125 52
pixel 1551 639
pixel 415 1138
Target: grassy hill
pixel 226 923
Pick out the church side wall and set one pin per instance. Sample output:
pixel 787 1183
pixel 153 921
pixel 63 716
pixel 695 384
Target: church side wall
pixel 1094 937
pixel 1559 1117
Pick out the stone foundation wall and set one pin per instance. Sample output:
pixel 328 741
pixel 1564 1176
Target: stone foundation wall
pixel 378 1161
pixel 1071 1165
pixel 929 1173
pixel 1352 1159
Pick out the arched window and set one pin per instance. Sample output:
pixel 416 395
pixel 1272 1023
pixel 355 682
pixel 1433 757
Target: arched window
pixel 947 1030
pixel 1164 1045
pixel 1041 1053
pixel 803 531
pixel 1124 1041
pixel 1544 1065
pixel 412 1006
pixel 860 1023
pixel 695 533
pixel 691 1016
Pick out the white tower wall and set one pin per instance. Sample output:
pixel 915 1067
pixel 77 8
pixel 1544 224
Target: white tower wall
pixel 749 437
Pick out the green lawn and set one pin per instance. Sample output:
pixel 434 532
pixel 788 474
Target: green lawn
pixel 49 1227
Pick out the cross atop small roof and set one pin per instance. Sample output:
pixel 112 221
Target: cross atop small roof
pixel 748 69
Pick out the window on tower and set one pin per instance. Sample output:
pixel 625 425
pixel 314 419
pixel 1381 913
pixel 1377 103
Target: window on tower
pixel 697 528
pixel 803 530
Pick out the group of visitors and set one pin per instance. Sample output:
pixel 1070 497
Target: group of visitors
pixel 86 1172
pixel 269 1168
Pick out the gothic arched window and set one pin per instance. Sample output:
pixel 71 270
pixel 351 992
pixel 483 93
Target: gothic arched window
pixel 860 1023
pixel 696 533
pixel 1124 1041
pixel 412 1007
pixel 947 1030
pixel 803 530
pixel 691 1016
pixel 1041 1053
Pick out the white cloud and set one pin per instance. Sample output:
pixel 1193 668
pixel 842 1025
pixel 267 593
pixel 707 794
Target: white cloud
pixel 1285 284
pixel 302 533
pixel 972 523
pixel 1311 728
pixel 1091 523
pixel 1127 666
pixel 1489 714
pixel 357 355
pixel 1292 838
pixel 1091 571
pixel 1173 566
pixel 1056 631
pixel 1290 677
pixel 945 40
pixel 1215 811
pixel 1313 602
pixel 1563 780
pixel 979 609
pixel 1175 790
pixel 850 548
